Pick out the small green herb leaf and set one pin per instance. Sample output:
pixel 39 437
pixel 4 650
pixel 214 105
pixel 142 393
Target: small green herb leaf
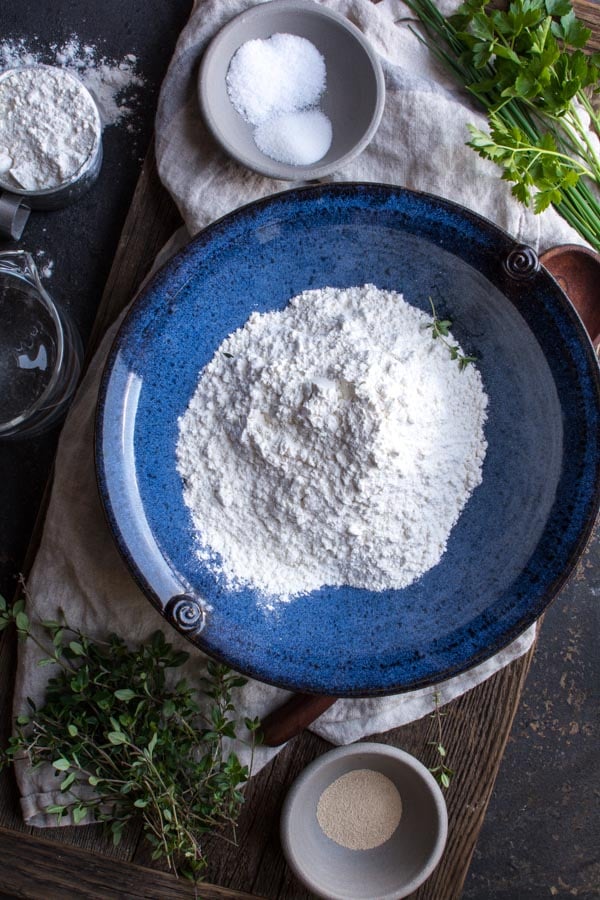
pixel 125 694
pixel 571 31
pixel 68 781
pixel 440 329
pixel 79 813
pixel 56 810
pixel 22 621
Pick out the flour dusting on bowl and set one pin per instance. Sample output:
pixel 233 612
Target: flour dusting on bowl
pixel 331 443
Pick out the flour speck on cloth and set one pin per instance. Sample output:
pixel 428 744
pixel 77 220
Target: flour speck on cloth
pixel 333 442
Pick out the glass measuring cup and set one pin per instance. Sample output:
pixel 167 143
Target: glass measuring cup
pixel 40 351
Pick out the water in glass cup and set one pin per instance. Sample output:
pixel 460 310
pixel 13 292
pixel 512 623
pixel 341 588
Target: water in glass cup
pixel 40 352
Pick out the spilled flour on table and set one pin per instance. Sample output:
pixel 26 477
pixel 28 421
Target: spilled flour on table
pixel 331 443
pixel 113 82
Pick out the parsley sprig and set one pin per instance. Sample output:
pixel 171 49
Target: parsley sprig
pixel 527 67
pixel 124 742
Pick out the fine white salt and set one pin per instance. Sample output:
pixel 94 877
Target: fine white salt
pixel 275 84
pixel 297 138
pixel 283 73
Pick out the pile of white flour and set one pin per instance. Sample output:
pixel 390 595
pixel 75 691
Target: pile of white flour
pixel 332 443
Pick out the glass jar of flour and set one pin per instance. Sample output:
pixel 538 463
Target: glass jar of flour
pixel 50 142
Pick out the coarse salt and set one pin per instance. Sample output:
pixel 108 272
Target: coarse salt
pixel 284 73
pixel 275 85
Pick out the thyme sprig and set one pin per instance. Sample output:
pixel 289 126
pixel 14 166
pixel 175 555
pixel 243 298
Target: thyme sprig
pixel 441 772
pixel 440 329
pixel 126 744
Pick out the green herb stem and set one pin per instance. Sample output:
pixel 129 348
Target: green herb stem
pixel 582 133
pixel 525 68
pixel 440 329
pixel 442 773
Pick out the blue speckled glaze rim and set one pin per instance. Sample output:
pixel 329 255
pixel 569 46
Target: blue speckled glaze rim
pixel 498 246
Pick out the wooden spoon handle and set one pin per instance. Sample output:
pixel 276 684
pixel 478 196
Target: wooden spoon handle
pixel 294 716
pixel 577 270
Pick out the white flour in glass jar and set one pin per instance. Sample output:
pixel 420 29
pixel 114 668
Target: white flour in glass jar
pixel 331 443
pixel 49 127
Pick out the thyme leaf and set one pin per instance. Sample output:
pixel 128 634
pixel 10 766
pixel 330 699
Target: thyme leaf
pixel 440 329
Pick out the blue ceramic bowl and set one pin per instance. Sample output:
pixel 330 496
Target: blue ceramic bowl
pixel 523 528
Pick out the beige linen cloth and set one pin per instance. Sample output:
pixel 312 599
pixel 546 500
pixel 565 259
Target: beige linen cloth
pixel 419 144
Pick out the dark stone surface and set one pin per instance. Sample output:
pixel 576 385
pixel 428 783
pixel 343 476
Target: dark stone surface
pixel 81 240
pixel 540 835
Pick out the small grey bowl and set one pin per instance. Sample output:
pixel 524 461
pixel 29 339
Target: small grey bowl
pixel 394 869
pixel 354 95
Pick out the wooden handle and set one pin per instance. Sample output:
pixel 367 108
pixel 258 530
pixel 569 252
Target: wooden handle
pixel 294 716
pixel 577 270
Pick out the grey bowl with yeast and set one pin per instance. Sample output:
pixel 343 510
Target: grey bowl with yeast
pixel 394 869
